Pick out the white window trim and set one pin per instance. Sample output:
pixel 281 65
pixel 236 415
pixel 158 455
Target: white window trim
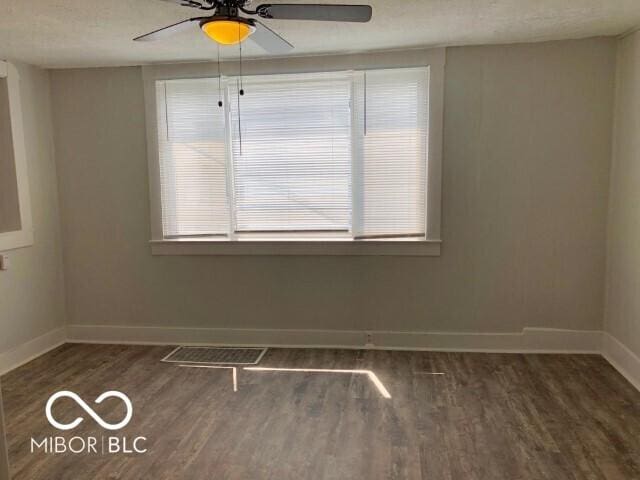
pixel 23 237
pixel 432 58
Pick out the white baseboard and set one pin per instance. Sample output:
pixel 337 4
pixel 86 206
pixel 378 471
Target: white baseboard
pixel 530 340
pixel 622 359
pixel 32 349
pixel 215 336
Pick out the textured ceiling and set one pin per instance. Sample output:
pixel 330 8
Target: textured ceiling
pixel 66 33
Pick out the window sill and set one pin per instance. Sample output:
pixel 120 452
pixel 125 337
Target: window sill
pixel 416 248
pixel 15 240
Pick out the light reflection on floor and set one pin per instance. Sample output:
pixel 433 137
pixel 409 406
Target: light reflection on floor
pixel 234 371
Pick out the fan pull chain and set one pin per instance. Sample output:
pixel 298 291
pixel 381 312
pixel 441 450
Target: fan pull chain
pixel 240 46
pixel 239 115
pixel 219 79
pixel 240 88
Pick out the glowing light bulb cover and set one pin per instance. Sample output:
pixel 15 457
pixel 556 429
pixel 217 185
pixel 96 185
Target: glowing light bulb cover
pixel 227 31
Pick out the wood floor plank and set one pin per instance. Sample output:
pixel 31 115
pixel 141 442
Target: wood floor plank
pixel 451 416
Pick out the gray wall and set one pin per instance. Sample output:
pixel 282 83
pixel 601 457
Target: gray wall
pixel 32 293
pixel 622 318
pixel 526 172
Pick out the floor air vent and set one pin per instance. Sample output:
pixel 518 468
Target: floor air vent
pixel 216 355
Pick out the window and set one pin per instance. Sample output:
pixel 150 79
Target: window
pixel 391 138
pixel 298 157
pixel 339 162
pixel 291 139
pixel 193 159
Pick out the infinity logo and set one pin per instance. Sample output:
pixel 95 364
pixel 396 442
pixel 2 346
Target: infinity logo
pixel 89 410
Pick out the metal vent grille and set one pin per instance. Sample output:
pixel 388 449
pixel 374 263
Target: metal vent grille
pixel 216 355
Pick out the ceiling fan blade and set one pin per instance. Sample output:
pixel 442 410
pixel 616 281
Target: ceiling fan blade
pixel 269 40
pixel 202 4
pixel 330 13
pixel 168 31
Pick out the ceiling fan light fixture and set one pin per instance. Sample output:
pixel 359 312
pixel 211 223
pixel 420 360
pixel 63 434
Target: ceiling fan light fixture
pixel 227 31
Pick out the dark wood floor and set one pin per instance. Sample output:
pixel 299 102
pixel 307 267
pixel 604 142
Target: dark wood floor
pixel 451 416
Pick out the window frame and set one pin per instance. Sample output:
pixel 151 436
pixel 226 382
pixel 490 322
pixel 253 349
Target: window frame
pixel 23 237
pixel 433 59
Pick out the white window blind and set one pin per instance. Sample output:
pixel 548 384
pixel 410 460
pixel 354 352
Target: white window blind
pixel 192 148
pixel 341 154
pixel 391 162
pixel 292 166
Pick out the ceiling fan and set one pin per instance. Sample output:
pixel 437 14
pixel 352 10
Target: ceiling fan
pixel 227 27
